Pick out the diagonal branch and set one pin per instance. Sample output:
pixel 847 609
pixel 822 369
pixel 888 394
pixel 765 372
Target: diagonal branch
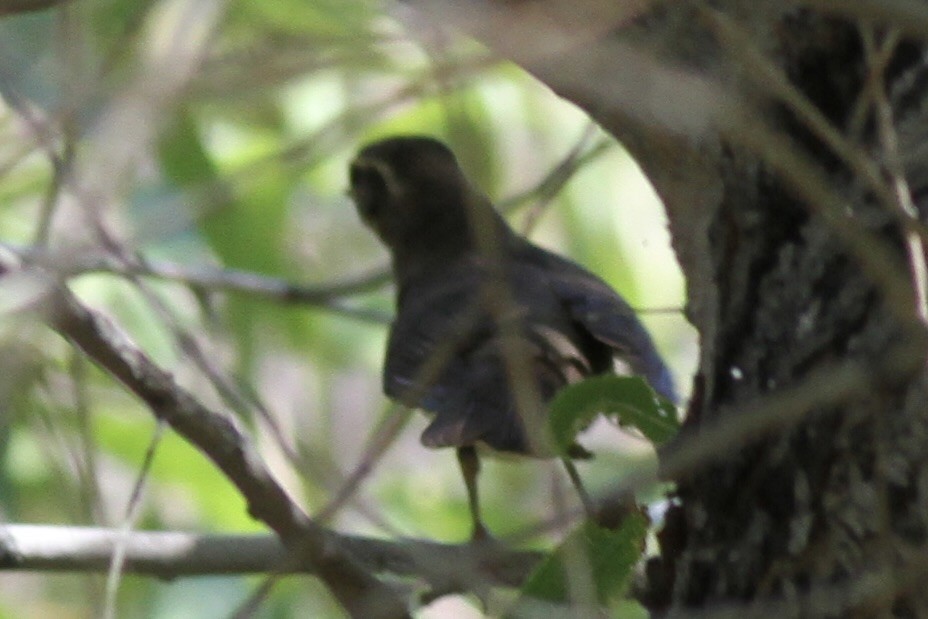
pixel 356 589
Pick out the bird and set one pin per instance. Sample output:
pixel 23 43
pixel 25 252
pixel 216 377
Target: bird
pixel 488 325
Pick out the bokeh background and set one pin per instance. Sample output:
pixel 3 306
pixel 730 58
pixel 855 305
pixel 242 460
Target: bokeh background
pixel 195 138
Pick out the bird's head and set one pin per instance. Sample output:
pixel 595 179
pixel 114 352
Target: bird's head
pixel 412 193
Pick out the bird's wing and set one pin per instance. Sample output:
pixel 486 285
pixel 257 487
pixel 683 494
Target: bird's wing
pixel 605 315
pixel 445 355
pixel 464 383
pixel 442 357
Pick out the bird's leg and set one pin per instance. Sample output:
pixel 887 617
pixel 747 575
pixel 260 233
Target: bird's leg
pixel 470 467
pixel 574 475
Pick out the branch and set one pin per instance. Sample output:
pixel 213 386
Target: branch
pixel 174 554
pixel 232 280
pixel 12 7
pixel 355 588
pixel 211 279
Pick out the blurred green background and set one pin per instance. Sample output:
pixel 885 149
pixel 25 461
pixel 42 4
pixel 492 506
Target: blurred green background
pixel 216 135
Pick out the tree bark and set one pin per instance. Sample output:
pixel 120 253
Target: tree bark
pixel 787 141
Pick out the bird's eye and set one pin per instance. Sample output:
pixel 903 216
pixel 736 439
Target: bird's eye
pixel 368 188
pixel 367 177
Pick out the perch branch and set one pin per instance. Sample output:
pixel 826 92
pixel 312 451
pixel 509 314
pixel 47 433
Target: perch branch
pixel 173 554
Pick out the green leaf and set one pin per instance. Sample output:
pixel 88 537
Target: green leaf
pixel 591 562
pixel 628 398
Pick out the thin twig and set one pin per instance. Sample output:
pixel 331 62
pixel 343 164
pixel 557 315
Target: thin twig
pixel 554 182
pixel 209 279
pixel 118 557
pixel 904 208
pixel 87 449
pixel 381 439
pixel 12 7
pixel 46 137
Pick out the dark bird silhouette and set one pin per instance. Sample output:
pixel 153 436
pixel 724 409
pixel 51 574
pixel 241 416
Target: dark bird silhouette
pixel 488 325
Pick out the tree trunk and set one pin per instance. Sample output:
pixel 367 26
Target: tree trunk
pixel 809 497
pixel 788 146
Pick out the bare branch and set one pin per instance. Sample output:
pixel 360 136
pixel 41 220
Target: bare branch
pixel 12 7
pixel 209 279
pixel 173 554
pixel 218 437
pixel 133 509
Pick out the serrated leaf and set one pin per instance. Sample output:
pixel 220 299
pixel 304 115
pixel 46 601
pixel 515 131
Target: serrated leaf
pixel 591 558
pixel 628 398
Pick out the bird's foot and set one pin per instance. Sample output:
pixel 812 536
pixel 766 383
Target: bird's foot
pixel 485 543
pixel 481 535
